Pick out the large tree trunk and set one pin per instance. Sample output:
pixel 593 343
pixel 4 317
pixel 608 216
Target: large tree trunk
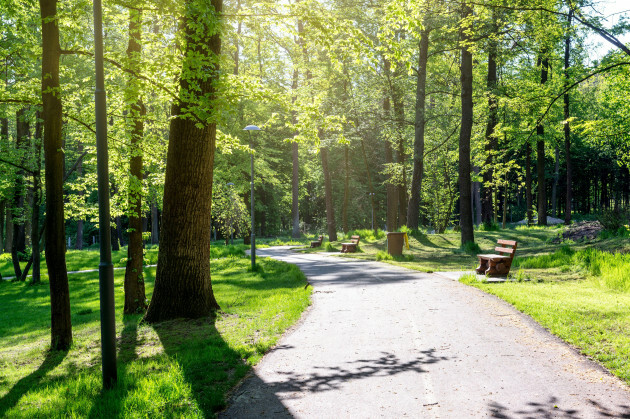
pixel 61 326
pixel 466 78
pixel 135 299
pixel 155 226
pixel 183 285
pixel 540 154
pixel 567 127
pixel 413 208
pixel 330 209
pixel 554 186
pixel 487 209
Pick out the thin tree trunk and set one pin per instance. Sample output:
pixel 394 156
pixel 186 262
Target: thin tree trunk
pixel 295 175
pixel 476 198
pixel 413 208
pixel 8 237
pixel 554 187
pixel 135 299
pixel 487 211
pixel 466 221
pixel 155 226
pixel 540 153
pixel 61 326
pixel 392 190
pixel 183 285
pixel 370 185
pixel 36 253
pixel 79 241
pixel 330 209
pixel 567 126
pixel 528 183
pixel 346 191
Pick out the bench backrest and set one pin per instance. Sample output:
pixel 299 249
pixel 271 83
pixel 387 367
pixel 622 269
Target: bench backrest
pixel 320 239
pixel 507 247
pixel 355 239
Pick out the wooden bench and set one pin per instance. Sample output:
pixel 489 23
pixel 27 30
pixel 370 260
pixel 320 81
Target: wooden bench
pixel 498 265
pixel 350 247
pixel 318 242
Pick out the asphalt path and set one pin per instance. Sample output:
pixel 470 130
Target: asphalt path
pixel 384 341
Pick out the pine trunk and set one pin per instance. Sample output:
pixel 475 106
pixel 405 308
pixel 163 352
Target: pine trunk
pixel 528 183
pixel 37 180
pixel 567 126
pixel 346 191
pixel 466 219
pixel 392 191
pixel 183 285
pixel 61 326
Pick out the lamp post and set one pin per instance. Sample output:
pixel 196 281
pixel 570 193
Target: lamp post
pixel 371 194
pixel 105 267
pixel 231 213
pixel 251 128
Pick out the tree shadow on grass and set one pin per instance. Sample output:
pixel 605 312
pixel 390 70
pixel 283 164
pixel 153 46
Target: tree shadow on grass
pixel 52 360
pixel 208 363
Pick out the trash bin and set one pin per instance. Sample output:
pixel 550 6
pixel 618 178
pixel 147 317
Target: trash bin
pixel 395 243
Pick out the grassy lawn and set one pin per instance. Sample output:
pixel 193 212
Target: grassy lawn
pixel 584 313
pixel 181 368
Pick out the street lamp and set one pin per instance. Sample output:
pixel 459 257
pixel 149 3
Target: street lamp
pixel 105 267
pixel 231 214
pixel 371 194
pixel 251 128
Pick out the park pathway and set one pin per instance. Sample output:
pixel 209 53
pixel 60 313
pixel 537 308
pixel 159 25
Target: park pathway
pixel 384 341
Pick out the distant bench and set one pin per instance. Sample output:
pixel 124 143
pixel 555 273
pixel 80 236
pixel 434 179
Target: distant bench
pixel 318 242
pixel 498 265
pixel 351 246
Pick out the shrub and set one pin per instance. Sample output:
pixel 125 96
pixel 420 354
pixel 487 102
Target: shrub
pixel 471 248
pixel 489 226
pixel 330 247
pixel 613 220
pixel 383 255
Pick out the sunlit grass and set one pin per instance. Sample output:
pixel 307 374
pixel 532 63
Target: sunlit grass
pixel 181 368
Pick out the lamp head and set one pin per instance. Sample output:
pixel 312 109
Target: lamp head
pixel 251 128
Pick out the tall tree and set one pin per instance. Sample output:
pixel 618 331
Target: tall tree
pixel 183 285
pixel 134 279
pixel 567 127
pixel 487 208
pixel 61 326
pixel 413 208
pixel 540 150
pixel 466 79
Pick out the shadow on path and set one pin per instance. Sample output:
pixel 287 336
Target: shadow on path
pixel 552 409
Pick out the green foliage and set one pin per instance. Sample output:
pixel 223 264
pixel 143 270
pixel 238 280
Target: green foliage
pixel 330 248
pixel 471 248
pixel 613 220
pixel 489 226
pixel 383 255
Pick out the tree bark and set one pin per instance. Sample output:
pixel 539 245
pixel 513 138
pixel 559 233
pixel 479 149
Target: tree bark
pixel 135 299
pixel 487 209
pixel 183 285
pixel 330 209
pixel 155 223
pixel 413 208
pixel 554 187
pixel 295 174
pixel 567 126
pixel 466 78
pixel 61 326
pixel 540 154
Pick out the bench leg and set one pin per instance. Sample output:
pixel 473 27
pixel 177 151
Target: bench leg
pixel 492 268
pixel 483 266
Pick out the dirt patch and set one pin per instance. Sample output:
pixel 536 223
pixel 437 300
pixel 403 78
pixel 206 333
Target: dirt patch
pixel 584 230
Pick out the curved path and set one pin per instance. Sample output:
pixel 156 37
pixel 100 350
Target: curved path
pixel 384 341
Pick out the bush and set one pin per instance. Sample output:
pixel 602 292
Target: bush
pixel 489 226
pixel 365 233
pixel 382 255
pixel 330 247
pixel 471 248
pixel 613 220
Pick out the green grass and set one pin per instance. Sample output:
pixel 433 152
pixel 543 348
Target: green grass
pixel 591 317
pixel 181 368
